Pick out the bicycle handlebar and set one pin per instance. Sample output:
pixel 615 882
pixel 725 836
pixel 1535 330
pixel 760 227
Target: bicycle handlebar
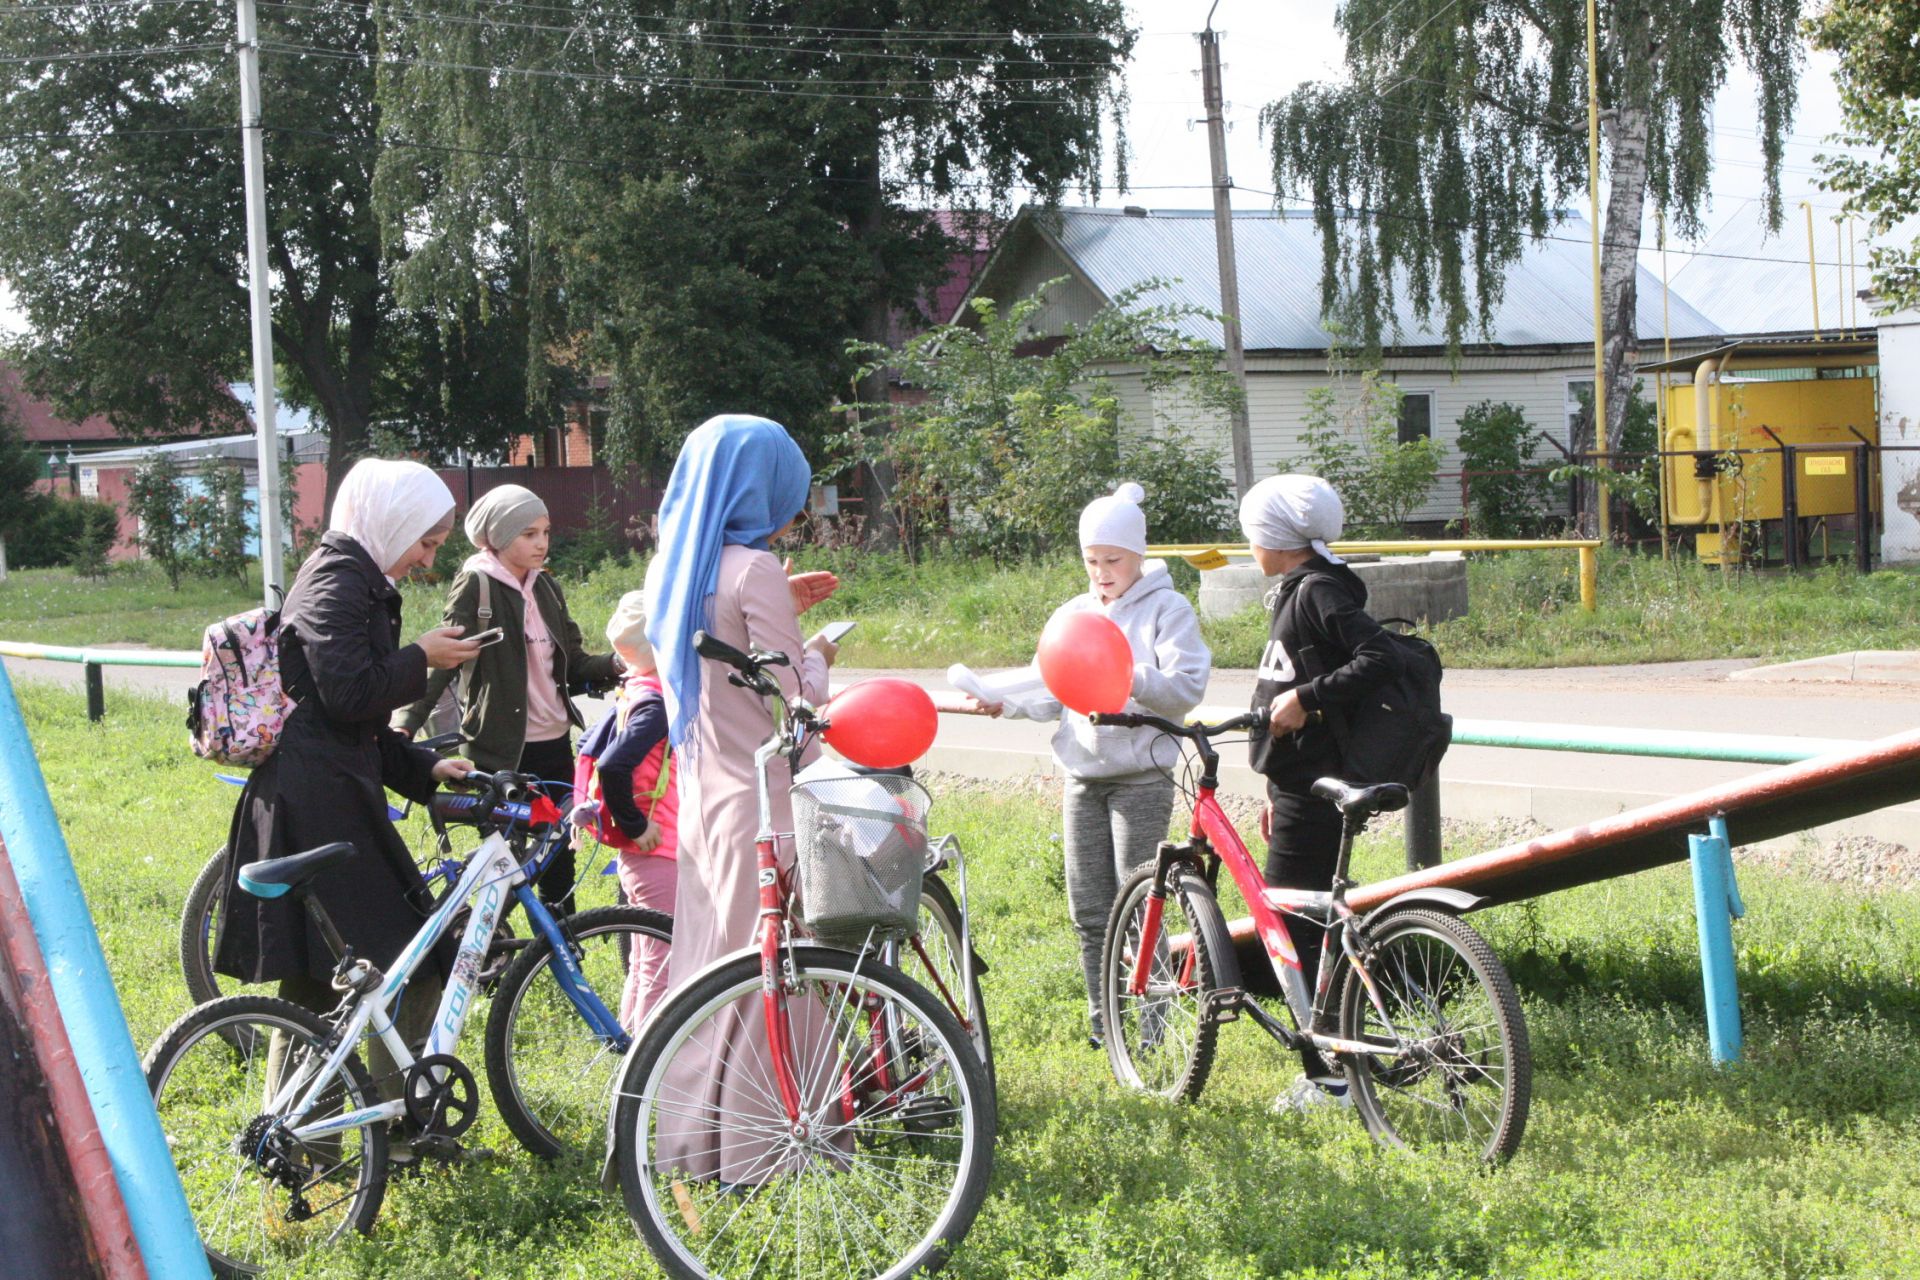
pixel 714 649
pixel 1197 732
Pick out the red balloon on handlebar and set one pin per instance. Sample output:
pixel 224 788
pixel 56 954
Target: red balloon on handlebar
pixel 882 723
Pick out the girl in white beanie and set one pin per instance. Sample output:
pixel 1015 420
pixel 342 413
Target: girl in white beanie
pixel 1118 791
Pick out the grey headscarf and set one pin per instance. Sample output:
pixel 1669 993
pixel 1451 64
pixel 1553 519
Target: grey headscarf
pixel 503 514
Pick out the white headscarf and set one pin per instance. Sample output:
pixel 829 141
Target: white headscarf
pixel 1285 513
pixel 386 507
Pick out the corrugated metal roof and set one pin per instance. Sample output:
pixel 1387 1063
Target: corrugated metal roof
pixel 1752 281
pixel 1547 300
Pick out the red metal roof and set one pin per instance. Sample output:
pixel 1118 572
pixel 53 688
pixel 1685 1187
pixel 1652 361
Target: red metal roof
pixel 41 423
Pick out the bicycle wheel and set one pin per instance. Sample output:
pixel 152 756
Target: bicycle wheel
pixel 548 1072
pixel 1465 1076
pixel 880 1177
pixel 259 1195
pixel 200 925
pixel 932 958
pixel 1162 1040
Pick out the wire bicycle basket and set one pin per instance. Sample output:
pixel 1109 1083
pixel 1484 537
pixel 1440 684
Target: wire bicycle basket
pixel 860 850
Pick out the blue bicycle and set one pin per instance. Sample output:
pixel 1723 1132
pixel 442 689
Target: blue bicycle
pixel 280 1133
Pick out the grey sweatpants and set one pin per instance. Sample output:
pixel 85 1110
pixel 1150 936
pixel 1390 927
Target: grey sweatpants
pixel 1112 826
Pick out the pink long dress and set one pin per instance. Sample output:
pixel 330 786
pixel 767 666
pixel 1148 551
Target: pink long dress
pixel 716 896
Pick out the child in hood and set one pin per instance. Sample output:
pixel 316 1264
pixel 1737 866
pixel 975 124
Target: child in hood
pixel 625 796
pixel 1118 793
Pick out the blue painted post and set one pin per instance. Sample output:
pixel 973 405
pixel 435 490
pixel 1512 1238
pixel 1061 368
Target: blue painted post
pixel 77 971
pixel 1716 905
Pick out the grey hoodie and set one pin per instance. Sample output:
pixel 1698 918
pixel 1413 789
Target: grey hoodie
pixel 1170 668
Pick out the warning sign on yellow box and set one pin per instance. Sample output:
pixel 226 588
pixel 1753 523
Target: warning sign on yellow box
pixel 1826 466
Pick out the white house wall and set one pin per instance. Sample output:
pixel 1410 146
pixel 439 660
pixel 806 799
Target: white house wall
pixel 1278 387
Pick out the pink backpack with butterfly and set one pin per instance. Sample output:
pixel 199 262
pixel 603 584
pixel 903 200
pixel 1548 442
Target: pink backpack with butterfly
pixel 236 713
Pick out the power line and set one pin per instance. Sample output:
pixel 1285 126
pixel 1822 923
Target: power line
pixel 97 5
pixel 700 40
pixel 636 80
pixel 873 33
pixel 98 54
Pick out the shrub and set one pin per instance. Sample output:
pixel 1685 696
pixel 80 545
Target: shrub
pixel 159 499
pixel 1496 451
pixel 1352 438
pixel 50 530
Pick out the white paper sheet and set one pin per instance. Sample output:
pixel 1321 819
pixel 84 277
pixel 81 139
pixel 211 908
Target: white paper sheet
pixel 1021 691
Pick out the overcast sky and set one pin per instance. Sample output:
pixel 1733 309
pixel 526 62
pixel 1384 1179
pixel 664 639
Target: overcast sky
pixel 1269 47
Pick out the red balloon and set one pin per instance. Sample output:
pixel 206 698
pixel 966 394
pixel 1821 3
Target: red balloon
pixel 1087 663
pixel 882 723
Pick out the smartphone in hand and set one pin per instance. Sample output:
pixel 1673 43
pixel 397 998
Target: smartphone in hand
pixel 834 632
pixel 493 635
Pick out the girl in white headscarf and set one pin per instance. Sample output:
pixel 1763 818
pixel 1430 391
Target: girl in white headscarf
pixel 1324 653
pixel 342 662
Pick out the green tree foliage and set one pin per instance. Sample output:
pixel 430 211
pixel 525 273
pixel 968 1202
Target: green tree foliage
pixel 216 522
pixel 19 468
pixel 1007 444
pixel 158 500
pixel 120 229
pixel 1504 490
pixel 707 198
pixel 1461 129
pixel 1351 431
pixel 1878 42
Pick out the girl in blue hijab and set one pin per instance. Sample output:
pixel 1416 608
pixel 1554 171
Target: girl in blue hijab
pixel 737 483
pixel 739 480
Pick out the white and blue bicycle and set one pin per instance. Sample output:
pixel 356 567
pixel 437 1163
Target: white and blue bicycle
pixel 281 1133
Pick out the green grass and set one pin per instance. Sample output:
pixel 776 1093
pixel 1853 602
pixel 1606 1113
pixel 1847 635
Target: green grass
pixel 1641 1159
pixel 1525 610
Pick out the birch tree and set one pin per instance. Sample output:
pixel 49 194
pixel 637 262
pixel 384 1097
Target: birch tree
pixel 1461 132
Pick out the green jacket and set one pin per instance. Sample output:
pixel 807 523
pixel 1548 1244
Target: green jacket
pixel 493 687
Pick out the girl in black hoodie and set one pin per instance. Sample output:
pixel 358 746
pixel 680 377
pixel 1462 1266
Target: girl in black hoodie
pixel 1323 653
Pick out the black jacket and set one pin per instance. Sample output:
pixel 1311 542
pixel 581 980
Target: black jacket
pixel 493 690
pixel 342 662
pixel 1322 642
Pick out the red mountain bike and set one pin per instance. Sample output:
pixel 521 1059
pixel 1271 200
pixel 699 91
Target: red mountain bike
pixel 1410 1001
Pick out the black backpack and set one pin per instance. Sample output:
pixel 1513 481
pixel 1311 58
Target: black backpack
pixel 1399 733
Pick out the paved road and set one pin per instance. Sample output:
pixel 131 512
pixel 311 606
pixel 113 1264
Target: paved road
pixel 1555 788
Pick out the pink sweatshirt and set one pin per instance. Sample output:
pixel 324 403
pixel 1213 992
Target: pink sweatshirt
pixel 546 706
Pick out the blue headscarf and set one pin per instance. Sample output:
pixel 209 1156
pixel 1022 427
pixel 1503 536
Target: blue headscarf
pixel 737 481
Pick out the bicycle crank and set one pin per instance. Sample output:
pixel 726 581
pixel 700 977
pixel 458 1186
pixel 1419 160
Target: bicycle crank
pixel 442 1097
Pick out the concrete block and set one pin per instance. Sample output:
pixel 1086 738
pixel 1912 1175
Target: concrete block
pixel 1423 588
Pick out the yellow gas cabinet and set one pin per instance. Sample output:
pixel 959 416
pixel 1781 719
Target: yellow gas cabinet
pixel 1754 403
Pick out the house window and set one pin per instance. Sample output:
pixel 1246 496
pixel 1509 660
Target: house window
pixel 1416 416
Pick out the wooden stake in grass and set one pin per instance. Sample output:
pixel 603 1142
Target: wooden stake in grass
pixel 688 1213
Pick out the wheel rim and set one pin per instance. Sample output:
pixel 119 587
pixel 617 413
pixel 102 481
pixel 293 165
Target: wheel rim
pixel 210 1098
pixel 1452 1086
pixel 736 1191
pixel 940 937
pixel 1157 1032
pixel 558 1069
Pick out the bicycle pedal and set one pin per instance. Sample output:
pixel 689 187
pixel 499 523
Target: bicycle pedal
pixel 1223 1005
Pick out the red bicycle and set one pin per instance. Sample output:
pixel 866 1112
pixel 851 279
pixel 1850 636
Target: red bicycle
pixel 1410 1001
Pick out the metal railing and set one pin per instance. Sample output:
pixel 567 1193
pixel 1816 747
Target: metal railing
pixel 92 660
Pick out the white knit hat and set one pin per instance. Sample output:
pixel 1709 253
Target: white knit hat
pixel 627 630
pixel 1116 520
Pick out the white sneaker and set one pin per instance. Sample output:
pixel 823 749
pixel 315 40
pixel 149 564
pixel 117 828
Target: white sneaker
pixel 1310 1093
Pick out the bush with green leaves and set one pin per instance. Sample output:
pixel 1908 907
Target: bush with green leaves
pixel 50 531
pixel 1008 443
pixel 158 498
pixel 216 524
pixel 1352 437
pixel 1504 488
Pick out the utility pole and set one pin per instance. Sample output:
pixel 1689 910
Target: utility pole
pixel 1223 238
pixel 266 442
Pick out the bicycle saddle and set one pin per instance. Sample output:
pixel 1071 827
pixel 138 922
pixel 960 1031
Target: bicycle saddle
pixel 1385 797
pixel 276 877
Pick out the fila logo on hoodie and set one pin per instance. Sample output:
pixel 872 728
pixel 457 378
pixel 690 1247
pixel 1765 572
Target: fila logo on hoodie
pixel 1275 664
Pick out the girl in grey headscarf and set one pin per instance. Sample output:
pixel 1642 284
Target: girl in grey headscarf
pixel 517 712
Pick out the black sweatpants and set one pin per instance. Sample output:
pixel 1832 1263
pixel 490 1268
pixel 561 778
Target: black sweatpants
pixel 553 760
pixel 1302 848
